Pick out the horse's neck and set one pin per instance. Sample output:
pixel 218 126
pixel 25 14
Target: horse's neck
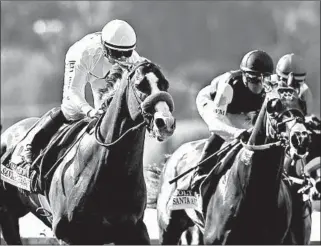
pixel 266 165
pixel 114 129
pixel 258 135
pixel 116 117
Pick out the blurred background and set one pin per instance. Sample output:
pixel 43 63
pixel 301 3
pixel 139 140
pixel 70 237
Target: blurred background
pixel 192 41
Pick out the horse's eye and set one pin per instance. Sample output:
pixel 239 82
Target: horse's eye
pixel 143 86
pixel 163 85
pixel 274 106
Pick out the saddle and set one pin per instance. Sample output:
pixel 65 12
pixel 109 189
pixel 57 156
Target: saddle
pixel 48 158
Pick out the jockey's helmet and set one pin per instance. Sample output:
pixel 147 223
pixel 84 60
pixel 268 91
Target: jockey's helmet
pixel 119 39
pixel 257 67
pixel 291 63
pixel 257 61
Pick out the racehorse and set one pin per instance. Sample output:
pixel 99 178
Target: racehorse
pixel 250 203
pixel 97 194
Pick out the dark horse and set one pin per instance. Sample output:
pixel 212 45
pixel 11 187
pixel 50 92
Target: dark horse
pixel 251 203
pixel 97 194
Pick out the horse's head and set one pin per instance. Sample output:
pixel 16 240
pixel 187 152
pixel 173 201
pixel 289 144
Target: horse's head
pixel 285 121
pixel 150 90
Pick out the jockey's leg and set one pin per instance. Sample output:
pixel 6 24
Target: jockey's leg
pixel 52 123
pixel 212 145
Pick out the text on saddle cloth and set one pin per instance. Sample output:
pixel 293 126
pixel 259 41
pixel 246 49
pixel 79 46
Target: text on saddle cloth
pixel 14 178
pixel 183 197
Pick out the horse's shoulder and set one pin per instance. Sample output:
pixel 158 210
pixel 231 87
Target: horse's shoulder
pixel 192 145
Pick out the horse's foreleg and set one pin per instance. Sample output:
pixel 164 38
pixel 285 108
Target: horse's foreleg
pixel 192 236
pixel 133 235
pixel 9 224
pixel 141 236
pixel 178 223
pixel 301 223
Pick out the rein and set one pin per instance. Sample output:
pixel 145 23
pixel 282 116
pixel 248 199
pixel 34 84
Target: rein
pixel 99 141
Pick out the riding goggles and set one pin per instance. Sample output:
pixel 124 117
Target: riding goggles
pixel 256 78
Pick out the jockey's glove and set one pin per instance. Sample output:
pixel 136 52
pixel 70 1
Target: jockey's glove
pixel 95 113
pixel 244 135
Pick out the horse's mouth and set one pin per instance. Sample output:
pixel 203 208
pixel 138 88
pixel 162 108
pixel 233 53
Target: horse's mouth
pixel 301 151
pixel 160 139
pixel 163 133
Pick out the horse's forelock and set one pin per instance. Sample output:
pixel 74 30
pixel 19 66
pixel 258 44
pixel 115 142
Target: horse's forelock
pixel 155 69
pixel 147 67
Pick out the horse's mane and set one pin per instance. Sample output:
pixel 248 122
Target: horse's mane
pixel 112 82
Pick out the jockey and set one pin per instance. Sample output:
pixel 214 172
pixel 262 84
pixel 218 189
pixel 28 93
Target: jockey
pixel 291 63
pixel 225 103
pixel 88 61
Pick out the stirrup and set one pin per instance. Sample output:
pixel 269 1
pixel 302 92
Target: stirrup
pixel 197 181
pixel 34 188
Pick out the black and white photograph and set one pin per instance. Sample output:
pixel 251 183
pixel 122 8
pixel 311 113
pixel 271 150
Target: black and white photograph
pixel 160 122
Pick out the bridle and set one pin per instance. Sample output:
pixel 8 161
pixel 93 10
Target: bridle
pixel 277 126
pixel 147 117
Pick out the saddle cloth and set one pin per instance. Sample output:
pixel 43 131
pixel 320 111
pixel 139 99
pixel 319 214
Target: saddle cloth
pixel 195 203
pixel 13 170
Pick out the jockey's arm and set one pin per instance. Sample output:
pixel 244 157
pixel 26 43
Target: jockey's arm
pixel 213 112
pixel 76 71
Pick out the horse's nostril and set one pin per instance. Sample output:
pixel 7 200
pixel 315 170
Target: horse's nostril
pixel 295 140
pixel 160 123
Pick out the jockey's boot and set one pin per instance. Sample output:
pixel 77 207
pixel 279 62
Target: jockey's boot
pixel 53 122
pixel 212 145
